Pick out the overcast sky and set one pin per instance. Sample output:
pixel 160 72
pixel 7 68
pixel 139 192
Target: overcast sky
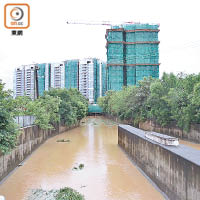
pixel 50 39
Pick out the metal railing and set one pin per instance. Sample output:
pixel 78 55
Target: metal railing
pixel 24 121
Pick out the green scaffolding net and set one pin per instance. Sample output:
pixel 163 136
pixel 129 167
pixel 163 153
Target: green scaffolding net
pixel 71 74
pixel 115 78
pixel 146 71
pixel 41 79
pixel 131 75
pixel 94 109
pixel 115 53
pixel 132 54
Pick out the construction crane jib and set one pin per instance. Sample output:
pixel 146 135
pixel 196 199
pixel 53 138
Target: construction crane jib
pixel 101 23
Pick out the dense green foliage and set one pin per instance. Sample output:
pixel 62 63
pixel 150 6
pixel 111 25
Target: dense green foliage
pixel 69 194
pixel 57 105
pixel 45 109
pixel 8 129
pixel 73 106
pixel 172 98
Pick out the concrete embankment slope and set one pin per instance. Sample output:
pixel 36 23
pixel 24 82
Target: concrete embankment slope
pixel 175 170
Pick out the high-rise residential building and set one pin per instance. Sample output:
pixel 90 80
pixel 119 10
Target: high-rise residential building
pixel 99 79
pixel 25 81
pixel 132 54
pixel 87 75
pixel 30 81
pixel 91 77
pixel 18 82
pixel 86 79
pixel 57 75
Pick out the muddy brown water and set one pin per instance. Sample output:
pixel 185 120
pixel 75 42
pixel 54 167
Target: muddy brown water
pixel 108 174
pixel 190 144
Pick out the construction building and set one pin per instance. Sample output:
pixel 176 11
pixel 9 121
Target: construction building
pixel 71 73
pixel 132 54
pixel 43 77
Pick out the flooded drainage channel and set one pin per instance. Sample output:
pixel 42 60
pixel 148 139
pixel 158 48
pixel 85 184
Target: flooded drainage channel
pixel 87 159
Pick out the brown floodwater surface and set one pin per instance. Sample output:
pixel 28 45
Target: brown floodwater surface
pixel 108 174
pixel 190 144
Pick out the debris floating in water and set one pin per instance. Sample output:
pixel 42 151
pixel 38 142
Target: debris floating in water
pixel 75 168
pixel 63 140
pixel 81 166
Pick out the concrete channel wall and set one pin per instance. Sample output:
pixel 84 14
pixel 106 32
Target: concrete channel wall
pixel 192 135
pixel 175 170
pixel 30 138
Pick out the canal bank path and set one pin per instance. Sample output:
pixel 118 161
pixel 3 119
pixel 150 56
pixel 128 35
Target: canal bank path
pixel 107 174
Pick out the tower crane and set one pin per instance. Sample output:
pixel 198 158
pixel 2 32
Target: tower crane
pixel 101 23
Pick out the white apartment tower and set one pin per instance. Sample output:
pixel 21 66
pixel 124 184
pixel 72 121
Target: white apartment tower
pixel 47 74
pixel 18 83
pixel 58 75
pixel 86 78
pixel 25 82
pixel 30 81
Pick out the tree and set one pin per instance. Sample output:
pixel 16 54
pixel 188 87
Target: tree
pixel 20 105
pixel 159 109
pixel 104 101
pixel 73 106
pixel 45 109
pixel 8 129
pixel 138 100
pixel 172 98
